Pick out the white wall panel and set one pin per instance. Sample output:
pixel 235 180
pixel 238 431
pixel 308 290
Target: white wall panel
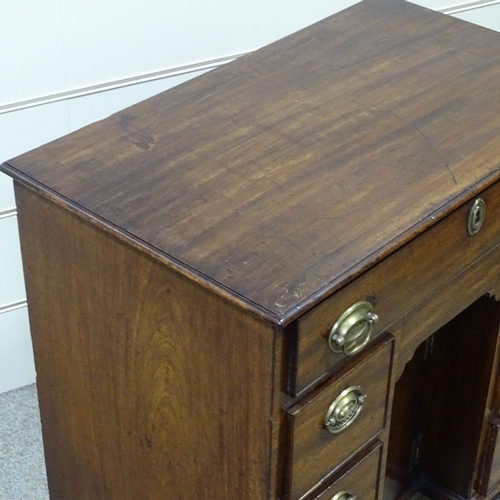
pixel 17 368
pixel 31 49
pixel 116 39
pixel 11 271
pixel 6 193
pixel 88 109
pixel 488 16
pixel 29 128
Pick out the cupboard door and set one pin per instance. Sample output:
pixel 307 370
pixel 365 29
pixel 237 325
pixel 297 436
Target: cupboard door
pixel 490 474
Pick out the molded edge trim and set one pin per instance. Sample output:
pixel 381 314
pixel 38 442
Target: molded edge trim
pixel 142 245
pixel 232 296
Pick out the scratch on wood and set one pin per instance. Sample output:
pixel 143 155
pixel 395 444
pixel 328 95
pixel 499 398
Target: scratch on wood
pixel 429 142
pixel 275 183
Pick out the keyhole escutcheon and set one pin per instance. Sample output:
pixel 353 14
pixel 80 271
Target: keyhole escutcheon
pixel 476 216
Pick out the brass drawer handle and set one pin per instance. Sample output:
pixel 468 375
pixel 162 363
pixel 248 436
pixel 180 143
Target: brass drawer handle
pixel 345 409
pixel 352 331
pixel 476 216
pixel 344 495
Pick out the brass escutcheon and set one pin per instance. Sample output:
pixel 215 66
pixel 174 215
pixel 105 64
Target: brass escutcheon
pixel 476 216
pixel 352 331
pixel 345 409
pixel 344 495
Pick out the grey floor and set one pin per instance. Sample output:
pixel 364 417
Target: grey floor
pixel 22 469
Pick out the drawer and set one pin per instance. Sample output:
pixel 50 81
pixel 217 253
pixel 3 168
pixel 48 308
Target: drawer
pixel 315 451
pixel 361 481
pixel 394 286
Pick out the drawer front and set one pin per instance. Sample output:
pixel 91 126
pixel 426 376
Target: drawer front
pixel 395 285
pixel 316 452
pixel 361 480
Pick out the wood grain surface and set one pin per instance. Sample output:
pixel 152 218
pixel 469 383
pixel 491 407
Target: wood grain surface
pixel 397 284
pixel 149 387
pixel 279 177
pixel 169 248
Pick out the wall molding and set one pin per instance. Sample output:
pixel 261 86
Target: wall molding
pixel 13 306
pixel 462 7
pixel 117 84
pixel 9 212
pixel 175 71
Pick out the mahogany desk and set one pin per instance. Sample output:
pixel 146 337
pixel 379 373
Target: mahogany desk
pixel 278 281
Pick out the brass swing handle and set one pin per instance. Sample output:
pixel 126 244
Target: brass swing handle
pixel 344 495
pixel 345 409
pixel 352 331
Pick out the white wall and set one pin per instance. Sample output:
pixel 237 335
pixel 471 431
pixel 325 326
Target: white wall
pixel 67 63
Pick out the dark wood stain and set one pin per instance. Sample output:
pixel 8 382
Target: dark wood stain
pixel 186 257
pixel 361 479
pixel 397 284
pixel 138 369
pixel 440 400
pixel 278 176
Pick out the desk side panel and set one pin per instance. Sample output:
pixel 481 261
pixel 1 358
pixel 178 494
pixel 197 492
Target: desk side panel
pixel 150 386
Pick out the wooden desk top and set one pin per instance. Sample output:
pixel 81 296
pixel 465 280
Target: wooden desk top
pixel 281 176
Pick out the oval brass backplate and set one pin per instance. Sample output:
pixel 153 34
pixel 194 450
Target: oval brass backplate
pixel 345 409
pixel 344 495
pixel 476 216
